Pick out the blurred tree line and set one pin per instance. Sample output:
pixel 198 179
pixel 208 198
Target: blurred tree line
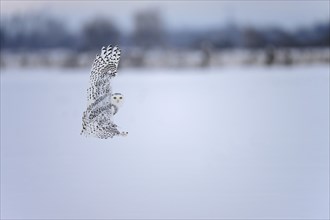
pixel 35 32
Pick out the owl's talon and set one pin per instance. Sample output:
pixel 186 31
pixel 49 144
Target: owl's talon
pixel 124 133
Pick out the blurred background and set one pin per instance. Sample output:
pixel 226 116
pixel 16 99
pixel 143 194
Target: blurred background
pixel 164 33
pixel 227 110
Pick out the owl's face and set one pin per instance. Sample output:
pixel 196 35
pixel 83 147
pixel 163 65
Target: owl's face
pixel 117 99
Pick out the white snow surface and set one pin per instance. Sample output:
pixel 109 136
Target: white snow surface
pixel 248 143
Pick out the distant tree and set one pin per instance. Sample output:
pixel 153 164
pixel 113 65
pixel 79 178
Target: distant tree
pixel 269 55
pixel 317 35
pixel 71 61
pixel 149 29
pixel 279 37
pixel 136 58
pixel 2 61
pixel 99 32
pixel 2 38
pixel 253 38
pixel 322 37
pixel 36 32
pixel 206 53
pixel 287 57
pixel 51 33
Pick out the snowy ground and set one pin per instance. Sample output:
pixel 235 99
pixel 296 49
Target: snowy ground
pixel 218 143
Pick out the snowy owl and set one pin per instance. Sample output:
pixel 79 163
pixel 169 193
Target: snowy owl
pixel 102 105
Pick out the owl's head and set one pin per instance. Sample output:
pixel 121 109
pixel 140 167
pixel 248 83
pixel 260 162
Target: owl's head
pixel 117 99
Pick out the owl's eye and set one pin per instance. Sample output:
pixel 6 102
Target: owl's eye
pixel 121 97
pixel 115 97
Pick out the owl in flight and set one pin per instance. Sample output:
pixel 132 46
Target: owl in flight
pixel 102 104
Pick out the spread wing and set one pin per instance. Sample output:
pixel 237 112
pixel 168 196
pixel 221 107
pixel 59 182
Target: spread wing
pixel 97 119
pixel 104 67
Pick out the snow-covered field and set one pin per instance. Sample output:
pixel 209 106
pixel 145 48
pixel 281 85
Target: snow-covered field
pixel 224 143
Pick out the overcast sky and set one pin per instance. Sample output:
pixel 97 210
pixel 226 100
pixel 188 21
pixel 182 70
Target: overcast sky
pixel 182 14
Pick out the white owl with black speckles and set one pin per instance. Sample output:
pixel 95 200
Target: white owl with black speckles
pixel 102 105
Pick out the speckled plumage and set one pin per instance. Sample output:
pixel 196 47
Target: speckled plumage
pixel 97 120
